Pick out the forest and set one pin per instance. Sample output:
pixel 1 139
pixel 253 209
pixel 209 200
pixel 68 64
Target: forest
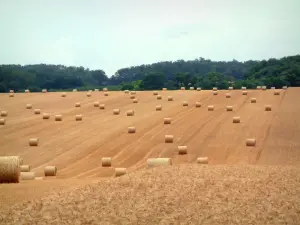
pixel 200 72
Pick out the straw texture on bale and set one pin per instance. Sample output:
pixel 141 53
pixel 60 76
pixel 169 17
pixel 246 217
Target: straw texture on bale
pixel 130 112
pixel 210 108
pixel 236 119
pixel 105 93
pixel 77 104
pixel 106 161
pixel 4 113
pixel 102 106
pixel 167 120
pixel 170 98
pixel 9 169
pixel 63 94
pixel 276 92
pixel 250 142
pixel 11 94
pixel 37 111
pixel 230 88
pixel 24 168
pixel 58 117
pixel 158 108
pixel 159 97
pixel 96 104
pixel 192 88
pixel 116 111
pixel 229 108
pixel 44 90
pixel 198 89
pixel 46 116
pixel 88 94
pixel 2 121
pixel 28 106
pixel 132 92
pixel 154 162
pixel 120 172
pixel 50 171
pixel 182 88
pixel 202 160
pixel 228 95
pixel 198 104
pixel 135 100
pixel 244 88
pixel 185 103
pixel 27 176
pixel 33 142
pixel 78 117
pixel 215 92
pixel 169 138
pixel 284 87
pixel 105 89
pixel 155 92
pixel 244 92
pixel 131 130
pixel 126 91
pixel 182 150
pixel 215 89
pixel 258 87
pixel 253 100
pixel 27 91
pixel 268 108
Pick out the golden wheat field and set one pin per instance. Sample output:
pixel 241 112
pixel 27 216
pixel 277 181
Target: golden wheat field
pixel 241 184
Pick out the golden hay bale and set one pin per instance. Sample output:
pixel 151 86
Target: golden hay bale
pixel 250 142
pixel 58 117
pixel 167 120
pixel 244 92
pixel 170 98
pixel 132 97
pixel 258 87
pixel 253 100
pixel 230 88
pixel 11 91
pixel 264 88
pixel 77 104
pixel 9 169
pixel 78 117
pixel 44 91
pixel 116 111
pixel 28 106
pixel 64 94
pixel 96 104
pixel 198 89
pixel 284 87
pixel 154 162
pixel 2 121
pixel 228 95
pixel 182 150
pixel 215 92
pixel 159 97
pixel 198 104
pixel 268 108
pixel 27 175
pixel 33 142
pixel 182 88
pixel 215 89
pixel 126 91
pixel 155 92
pixel 25 168
pixel 277 92
pixel 106 94
pixel 130 112
pixel 106 161
pixel 102 106
pixel 96 89
pixel 74 90
pixel 105 89
pixel 46 116
pixel 169 138
pixel 37 111
pixel 135 100
pixel 185 103
pixel 229 108
pixel 11 94
pixel 132 92
pixel 131 130
pixel 27 91
pixel 164 89
pixel 192 88
pixel 244 88
pixel 210 108
pixel 202 160
pixel 158 108
pixel 236 119
pixel 120 172
pixel 50 171
pixel 88 94
pixel 4 113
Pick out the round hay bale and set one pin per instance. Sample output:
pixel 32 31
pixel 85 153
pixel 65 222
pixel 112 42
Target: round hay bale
pixel 258 87
pixel 116 111
pixel 169 138
pixel 106 161
pixel 135 100
pixel 24 168
pixel 132 97
pixel 244 88
pixel 33 142
pixel 27 91
pixel 164 89
pixel 215 92
pixel 105 89
pixel 244 92
pixel 28 106
pixel 167 120
pixel 11 94
pixel 277 92
pixel 158 108
pixel 251 142
pixel 264 88
pixel 2 121
pixel 182 150
pixel 50 171
pixel 4 113
pixel 182 88
pixel 202 160
pixel 236 119
pixel 132 92
pixel 11 91
pixel 210 108
pixel 253 100
pixel 284 87
pixel 9 169
pixel 131 130
pixel 198 89
pixel 106 94
pixel 27 176
pixel 228 95
pixel 46 116
pixel 102 106
pixel 155 92
pixel 37 111
pixel 96 89
pixel 120 172
pixel 268 108
pixel 77 104
pixel 78 117
pixel 58 117
pixel 126 91
pixel 230 88
pixel 198 104
pixel 130 112
pixel 96 104
pixel 88 94
pixel 170 98
pixel 64 94
pixel 192 88
pixel 74 90
pixel 215 89
pixel 159 97
pixel 154 162
pixel 185 103
pixel 44 91
pixel 229 108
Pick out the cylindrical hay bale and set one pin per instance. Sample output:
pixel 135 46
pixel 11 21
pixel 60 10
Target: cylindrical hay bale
pixel 2 121
pixel 277 92
pixel 78 117
pixel 106 94
pixel 250 142
pixel 33 142
pixel 96 89
pixel 268 108
pixel 182 150
pixel 27 176
pixel 28 106
pixel 74 90
pixel 198 89
pixel 154 162
pixel 11 94
pixel 46 116
pixel 96 104
pixel 158 108
pixel 244 92
pixel 244 88
pixel 167 120
pixel 130 112
pixel 135 100
pixel 126 91
pixel 229 108
pixel 37 111
pixel 44 90
pixel 230 88
pixel 155 92
pixel 131 130
pixel 202 160
pixel 88 94
pixel 182 88
pixel 105 89
pixel 198 104
pixel 132 97
pixel 159 97
pixel 164 89
pixel 64 94
pixel 215 92
pixel 9 169
pixel 236 119
pixel 25 168
pixel 264 88
pixel 3 113
pixel 284 87
pixel 258 87
pixel 116 111
pixel 50 171
pixel 253 100
pixel 106 161
pixel 58 118
pixel 185 103
pixel 120 172
pixel 11 91
pixel 102 106
pixel 210 108
pixel 228 95
pixel 170 98
pixel 192 88
pixel 132 92
pixel 169 138
pixel 77 104
pixel 27 91
pixel 215 89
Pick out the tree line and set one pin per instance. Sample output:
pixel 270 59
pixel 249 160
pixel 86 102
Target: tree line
pixel 200 72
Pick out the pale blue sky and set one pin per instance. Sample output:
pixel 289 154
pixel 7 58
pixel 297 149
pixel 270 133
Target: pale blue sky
pixel 110 35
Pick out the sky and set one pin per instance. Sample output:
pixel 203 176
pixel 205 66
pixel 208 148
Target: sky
pixel 113 34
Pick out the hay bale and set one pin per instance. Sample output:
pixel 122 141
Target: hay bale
pixel 46 116
pixel 58 117
pixel 50 171
pixel 170 98
pixel 2 121
pixel 96 104
pixel 215 89
pixel 185 103
pixel 96 89
pixel 182 88
pixel 24 168
pixel 74 90
pixel 192 88
pixel 132 97
pixel 253 100
pixel 229 108
pixel 37 111
pixel 273 88
pixel 228 95
pixel 116 111
pixel 277 92
pixel 167 120
pixel 135 100
pixel 131 130
pixel 77 104
pixel 130 112
pixel 9 169
pixel 106 161
pixel 64 94
pixel 154 162
pixel 102 106
pixel 244 92
pixel 236 119
pixel 27 175
pixel 215 92
pixel 198 104
pixel 251 142
pixel 88 94
pixel 28 106
pixel 132 92
pixel 198 89
pixel 33 142
pixel 182 150
pixel 169 138
pixel 284 87
pixel 105 89
pixel 126 91
pixel 158 108
pixel 120 172
pixel 244 88
pixel 164 89
pixel 155 92
pixel 230 88
pixel 27 91
pixel 202 160
pixel 11 94
pixel 268 108
pixel 258 87
pixel 210 108
pixel 11 91
pixel 4 113
pixel 159 97
pixel 106 94
pixel 44 91
pixel 264 88
pixel 78 117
